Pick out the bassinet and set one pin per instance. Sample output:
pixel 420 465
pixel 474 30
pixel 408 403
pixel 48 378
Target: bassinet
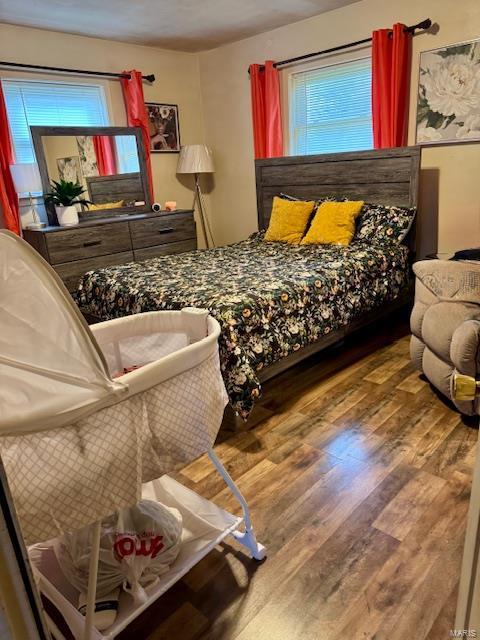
pixel 88 414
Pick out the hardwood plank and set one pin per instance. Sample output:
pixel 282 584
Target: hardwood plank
pixel 407 507
pixel 413 383
pixel 417 616
pixel 386 597
pixel 387 369
pixel 339 568
pixel 445 620
pixel 174 625
pixel 453 452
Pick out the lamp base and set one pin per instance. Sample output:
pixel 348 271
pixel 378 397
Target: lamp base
pixel 201 209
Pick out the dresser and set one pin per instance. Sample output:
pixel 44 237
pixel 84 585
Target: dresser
pixel 72 251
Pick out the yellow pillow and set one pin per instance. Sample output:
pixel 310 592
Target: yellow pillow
pixel 106 205
pixel 289 220
pixel 334 223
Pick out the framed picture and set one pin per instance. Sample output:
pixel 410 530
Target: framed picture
pixel 88 158
pixel 69 169
pixel 164 127
pixel 448 106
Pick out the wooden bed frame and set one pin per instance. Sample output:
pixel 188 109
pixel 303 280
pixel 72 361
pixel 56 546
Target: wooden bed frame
pixel 125 186
pixel 385 176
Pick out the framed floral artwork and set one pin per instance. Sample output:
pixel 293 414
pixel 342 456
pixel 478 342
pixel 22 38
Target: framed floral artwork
pixel 163 127
pixel 448 107
pixel 69 169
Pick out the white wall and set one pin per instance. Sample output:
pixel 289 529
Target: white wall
pixel 450 182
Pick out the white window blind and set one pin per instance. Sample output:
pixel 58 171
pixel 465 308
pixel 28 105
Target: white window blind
pixel 32 103
pixel 127 156
pixel 330 109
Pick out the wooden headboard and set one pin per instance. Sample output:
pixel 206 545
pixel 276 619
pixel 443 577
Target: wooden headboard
pixel 383 176
pixel 124 186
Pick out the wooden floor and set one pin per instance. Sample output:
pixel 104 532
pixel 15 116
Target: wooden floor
pixel 358 478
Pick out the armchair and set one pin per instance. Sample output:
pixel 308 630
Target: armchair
pixel 445 325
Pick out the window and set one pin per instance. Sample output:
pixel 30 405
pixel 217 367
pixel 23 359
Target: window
pixel 127 156
pixel 330 109
pixel 50 104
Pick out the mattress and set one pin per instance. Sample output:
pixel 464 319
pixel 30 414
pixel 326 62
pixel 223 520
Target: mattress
pixel 271 299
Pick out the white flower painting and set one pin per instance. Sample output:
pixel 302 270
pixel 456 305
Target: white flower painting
pixel 448 108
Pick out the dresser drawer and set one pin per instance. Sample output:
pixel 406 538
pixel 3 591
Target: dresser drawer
pixel 162 229
pixel 88 242
pixel 165 249
pixel 71 272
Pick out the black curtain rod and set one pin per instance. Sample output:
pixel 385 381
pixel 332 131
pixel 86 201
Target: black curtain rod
pixel 79 72
pixel 425 24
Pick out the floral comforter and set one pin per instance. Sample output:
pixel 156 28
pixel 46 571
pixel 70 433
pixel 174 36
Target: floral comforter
pixel 270 298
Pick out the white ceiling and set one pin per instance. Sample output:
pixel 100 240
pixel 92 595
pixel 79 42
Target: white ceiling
pixel 184 25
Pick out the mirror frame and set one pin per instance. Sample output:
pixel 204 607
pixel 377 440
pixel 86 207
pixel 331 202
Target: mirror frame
pixel 40 132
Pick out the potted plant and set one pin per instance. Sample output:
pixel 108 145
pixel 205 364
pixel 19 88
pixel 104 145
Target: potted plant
pixel 65 196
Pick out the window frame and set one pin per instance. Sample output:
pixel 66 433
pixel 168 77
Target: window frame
pixel 288 96
pixel 102 86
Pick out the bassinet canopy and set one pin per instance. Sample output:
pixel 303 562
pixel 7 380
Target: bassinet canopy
pixel 51 368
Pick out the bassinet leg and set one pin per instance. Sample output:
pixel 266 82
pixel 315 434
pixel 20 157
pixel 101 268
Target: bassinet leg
pixel 246 538
pixel 92 581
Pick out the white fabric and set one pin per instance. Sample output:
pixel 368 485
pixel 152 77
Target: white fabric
pixel 195 158
pixel 148 527
pixel 49 364
pixel 77 445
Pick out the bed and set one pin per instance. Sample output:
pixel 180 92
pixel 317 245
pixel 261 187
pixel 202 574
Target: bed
pixel 278 303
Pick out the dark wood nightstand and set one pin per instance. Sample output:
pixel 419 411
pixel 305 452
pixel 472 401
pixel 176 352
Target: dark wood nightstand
pixel 72 251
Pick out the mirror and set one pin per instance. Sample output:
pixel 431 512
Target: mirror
pixel 108 162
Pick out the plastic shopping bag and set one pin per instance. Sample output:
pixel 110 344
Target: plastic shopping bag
pixel 137 545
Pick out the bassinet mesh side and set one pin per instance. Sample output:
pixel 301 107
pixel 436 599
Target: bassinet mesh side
pixel 103 459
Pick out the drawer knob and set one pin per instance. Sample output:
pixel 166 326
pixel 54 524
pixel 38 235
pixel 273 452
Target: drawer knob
pixel 169 230
pixel 92 243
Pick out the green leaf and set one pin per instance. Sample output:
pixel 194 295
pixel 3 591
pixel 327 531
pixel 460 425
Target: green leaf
pixel 461 49
pixel 422 113
pixel 435 119
pixel 449 120
pixel 64 193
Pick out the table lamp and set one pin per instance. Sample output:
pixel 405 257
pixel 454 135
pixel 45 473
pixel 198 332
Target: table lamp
pixel 197 159
pixel 26 179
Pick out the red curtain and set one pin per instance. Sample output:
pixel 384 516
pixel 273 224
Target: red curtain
pixel 106 156
pixel 8 195
pixel 266 110
pixel 137 115
pixel 391 56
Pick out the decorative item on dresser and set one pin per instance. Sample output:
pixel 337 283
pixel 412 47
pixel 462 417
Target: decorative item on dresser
pixel 26 179
pixel 112 241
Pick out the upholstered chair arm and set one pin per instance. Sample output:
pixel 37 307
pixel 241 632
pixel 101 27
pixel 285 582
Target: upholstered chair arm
pixel 465 357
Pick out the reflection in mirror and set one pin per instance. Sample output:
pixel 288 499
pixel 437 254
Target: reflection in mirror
pixel 106 166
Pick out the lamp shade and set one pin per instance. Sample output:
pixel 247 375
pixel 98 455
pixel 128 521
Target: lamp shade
pixel 26 177
pixel 195 158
